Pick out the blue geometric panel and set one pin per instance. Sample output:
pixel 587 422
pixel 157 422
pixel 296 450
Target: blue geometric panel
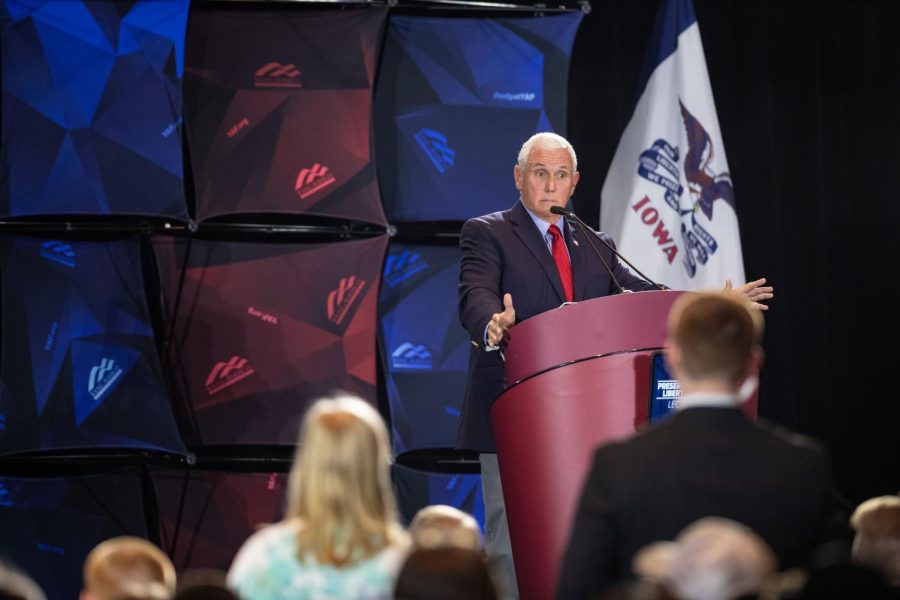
pixel 79 362
pixel 50 525
pixel 92 107
pixel 417 489
pixel 456 98
pixel 423 349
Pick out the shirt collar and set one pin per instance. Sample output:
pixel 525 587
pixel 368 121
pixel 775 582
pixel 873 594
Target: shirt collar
pixel 708 399
pixel 542 225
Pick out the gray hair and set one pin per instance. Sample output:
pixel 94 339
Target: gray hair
pixel 547 141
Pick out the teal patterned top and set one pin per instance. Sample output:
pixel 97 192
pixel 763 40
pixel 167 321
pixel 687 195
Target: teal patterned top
pixel 266 568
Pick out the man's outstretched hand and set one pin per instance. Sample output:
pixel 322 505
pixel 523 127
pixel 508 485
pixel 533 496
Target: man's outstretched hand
pixel 752 291
pixel 501 322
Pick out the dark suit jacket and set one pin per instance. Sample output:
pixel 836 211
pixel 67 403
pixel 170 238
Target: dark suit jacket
pixel 701 462
pixel 504 252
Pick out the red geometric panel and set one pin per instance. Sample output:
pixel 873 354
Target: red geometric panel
pixel 205 516
pixel 278 111
pixel 260 330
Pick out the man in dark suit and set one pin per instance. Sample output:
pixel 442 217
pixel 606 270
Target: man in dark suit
pixel 708 459
pixel 514 266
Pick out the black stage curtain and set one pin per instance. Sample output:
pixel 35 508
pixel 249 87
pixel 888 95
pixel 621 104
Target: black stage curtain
pixel 807 98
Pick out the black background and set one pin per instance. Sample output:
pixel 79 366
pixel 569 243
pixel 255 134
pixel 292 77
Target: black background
pixel 807 99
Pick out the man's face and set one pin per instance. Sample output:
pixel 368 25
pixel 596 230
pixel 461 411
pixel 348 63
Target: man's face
pixel 547 180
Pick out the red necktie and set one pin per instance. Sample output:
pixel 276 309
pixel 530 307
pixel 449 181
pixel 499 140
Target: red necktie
pixel 561 258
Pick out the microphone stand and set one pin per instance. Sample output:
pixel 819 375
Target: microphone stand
pixel 571 215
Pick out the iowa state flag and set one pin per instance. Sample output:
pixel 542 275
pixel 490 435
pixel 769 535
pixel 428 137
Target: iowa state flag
pixel 668 199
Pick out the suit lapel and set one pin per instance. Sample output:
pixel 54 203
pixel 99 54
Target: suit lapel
pixel 525 228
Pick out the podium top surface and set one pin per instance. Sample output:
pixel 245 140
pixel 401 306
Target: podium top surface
pixel 597 327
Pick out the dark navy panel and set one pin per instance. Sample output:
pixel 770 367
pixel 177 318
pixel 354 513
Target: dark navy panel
pixel 92 107
pixel 424 350
pixel 205 516
pixel 50 525
pixel 456 98
pixel 79 365
pixel 418 489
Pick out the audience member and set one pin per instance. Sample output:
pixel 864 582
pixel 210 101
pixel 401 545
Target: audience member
pixel 711 559
pixel 445 573
pixel 340 537
pixel 15 585
pixel 708 459
pixel 876 543
pixel 442 526
pixel 128 567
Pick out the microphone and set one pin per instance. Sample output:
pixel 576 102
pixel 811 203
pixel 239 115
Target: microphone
pixel 558 210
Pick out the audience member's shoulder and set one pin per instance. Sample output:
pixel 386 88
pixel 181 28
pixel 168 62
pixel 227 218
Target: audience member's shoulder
pixel 272 535
pixel 791 438
pixel 645 434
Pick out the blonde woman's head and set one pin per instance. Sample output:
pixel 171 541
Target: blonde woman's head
pixel 340 489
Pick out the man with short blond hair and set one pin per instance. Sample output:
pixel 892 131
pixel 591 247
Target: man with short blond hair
pixel 708 459
pixel 127 567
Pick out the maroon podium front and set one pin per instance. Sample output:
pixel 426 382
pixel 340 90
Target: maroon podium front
pixel 577 376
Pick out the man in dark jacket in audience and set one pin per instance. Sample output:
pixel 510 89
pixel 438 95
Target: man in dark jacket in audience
pixel 708 459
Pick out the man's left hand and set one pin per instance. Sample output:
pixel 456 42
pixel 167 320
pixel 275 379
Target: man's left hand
pixel 752 291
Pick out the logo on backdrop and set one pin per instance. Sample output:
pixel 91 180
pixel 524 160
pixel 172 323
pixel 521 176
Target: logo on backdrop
pixel 262 316
pixel 341 300
pixel 277 75
pixel 514 97
pixel 660 165
pixel 60 252
pixel 226 374
pixel 5 496
pixel 237 127
pixel 436 148
pixel 51 336
pixel 102 377
pixel 309 181
pixel 402 266
pixel 411 356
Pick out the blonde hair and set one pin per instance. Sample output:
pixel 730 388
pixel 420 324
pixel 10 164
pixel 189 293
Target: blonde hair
pixel 716 333
pixel 877 542
pixel 128 566
pixel 339 485
pixel 442 526
pixel 547 141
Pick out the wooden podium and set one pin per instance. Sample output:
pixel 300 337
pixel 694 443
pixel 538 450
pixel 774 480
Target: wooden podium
pixel 576 376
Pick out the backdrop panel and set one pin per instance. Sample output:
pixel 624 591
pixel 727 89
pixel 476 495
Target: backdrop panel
pixel 92 107
pixel 424 351
pixel 205 516
pixel 456 98
pixel 262 329
pixel 278 108
pixel 79 366
pixel 50 525
pixel 417 489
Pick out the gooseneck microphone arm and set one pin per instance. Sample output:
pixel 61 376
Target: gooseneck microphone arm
pixel 557 210
pixel 609 270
